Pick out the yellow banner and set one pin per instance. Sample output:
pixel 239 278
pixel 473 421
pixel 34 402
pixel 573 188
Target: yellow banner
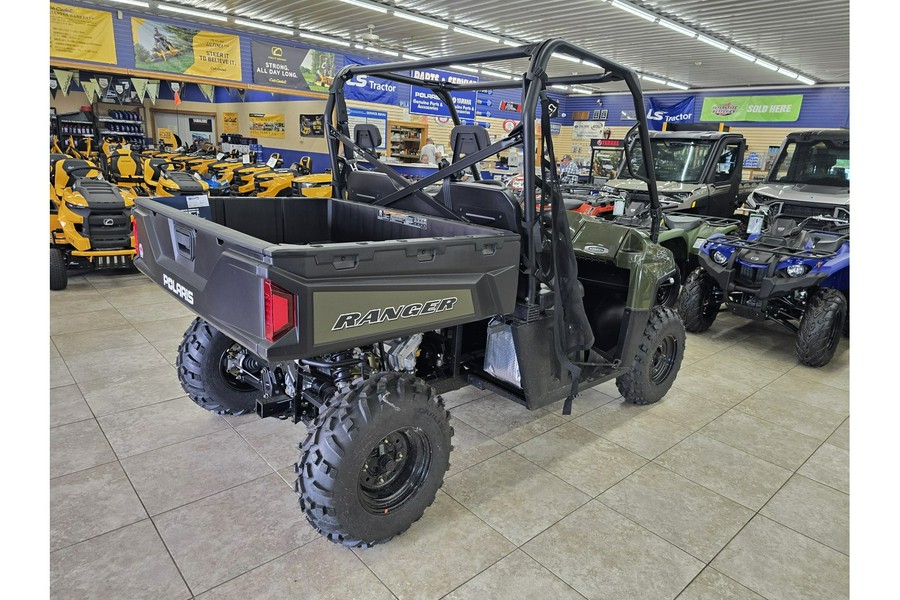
pixel 230 123
pixel 165 134
pixel 270 126
pixel 163 47
pixel 81 34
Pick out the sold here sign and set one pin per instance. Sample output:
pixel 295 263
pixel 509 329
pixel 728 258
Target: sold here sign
pixel 751 108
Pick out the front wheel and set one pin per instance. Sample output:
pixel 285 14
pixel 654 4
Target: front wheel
pixel 207 362
pixel 59 278
pixel 374 459
pixel 699 302
pixel 657 360
pixel 667 292
pixel 821 327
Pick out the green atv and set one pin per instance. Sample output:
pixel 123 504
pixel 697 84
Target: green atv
pixel 352 313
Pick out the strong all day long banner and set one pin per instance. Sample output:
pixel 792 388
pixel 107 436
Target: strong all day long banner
pixel 81 34
pixel 751 108
pixel 173 49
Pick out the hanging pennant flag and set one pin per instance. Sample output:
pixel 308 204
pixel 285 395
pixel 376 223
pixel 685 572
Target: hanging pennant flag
pixel 103 88
pixel 153 90
pixel 140 87
pixel 242 92
pixel 230 90
pixel 122 88
pixel 54 86
pixel 76 78
pixel 177 88
pixel 208 90
pixel 65 80
pixel 90 89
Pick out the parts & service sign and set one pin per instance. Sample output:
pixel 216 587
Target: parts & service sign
pixel 423 101
pixel 752 108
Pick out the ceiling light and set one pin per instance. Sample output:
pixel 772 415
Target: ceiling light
pixel 512 43
pixel 478 34
pixel 653 79
pixel 193 13
pixel 559 87
pixel 463 68
pixel 742 54
pixel 787 73
pixel 423 20
pixel 133 3
pixel 568 58
pixel 410 56
pixel 381 51
pixel 634 10
pixel 678 28
pixel 805 80
pixel 322 38
pixel 767 65
pixel 712 42
pixel 579 90
pixel 677 86
pixel 375 7
pixel 496 74
pixel 256 25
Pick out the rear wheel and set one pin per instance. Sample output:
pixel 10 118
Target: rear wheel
pixel 207 362
pixel 821 327
pixel 59 278
pixel 698 303
pixel 657 360
pixel 374 459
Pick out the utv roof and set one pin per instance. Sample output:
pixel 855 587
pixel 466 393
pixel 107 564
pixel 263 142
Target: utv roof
pixel 691 135
pixel 820 134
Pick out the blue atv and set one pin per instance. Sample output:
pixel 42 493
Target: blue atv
pixel 794 272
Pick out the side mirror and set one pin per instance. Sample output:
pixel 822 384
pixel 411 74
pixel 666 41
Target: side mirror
pixel 631 139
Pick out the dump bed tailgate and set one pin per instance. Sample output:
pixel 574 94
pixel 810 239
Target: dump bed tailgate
pixel 345 294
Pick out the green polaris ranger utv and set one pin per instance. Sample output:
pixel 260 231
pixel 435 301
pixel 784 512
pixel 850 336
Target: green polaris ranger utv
pixel 351 313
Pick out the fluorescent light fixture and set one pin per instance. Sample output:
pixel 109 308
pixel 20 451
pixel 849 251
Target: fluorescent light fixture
pixel 579 90
pixel 590 64
pixel 133 3
pixel 568 58
pixel 653 79
pixel 463 68
pixel 559 87
pixel 381 51
pixel 676 85
pixel 712 42
pixel 496 74
pixel 787 73
pixel 634 10
pixel 370 6
pixel 256 25
pixel 742 54
pixel 193 13
pixel 418 19
pixel 322 38
pixel 410 56
pixel 678 28
pixel 767 65
pixel 512 43
pixel 805 80
pixel 478 34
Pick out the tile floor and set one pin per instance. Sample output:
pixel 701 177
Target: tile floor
pixel 735 485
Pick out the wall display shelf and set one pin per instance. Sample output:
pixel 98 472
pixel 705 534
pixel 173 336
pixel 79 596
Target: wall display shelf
pixel 405 140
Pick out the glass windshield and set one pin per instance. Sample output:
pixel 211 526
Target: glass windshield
pixel 674 160
pixel 817 162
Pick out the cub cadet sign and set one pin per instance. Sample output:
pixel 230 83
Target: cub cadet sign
pixel 751 108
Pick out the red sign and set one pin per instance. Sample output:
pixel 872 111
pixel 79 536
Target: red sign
pixel 508 125
pixel 510 106
pixel 607 143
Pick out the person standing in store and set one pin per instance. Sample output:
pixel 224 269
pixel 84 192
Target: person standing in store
pixel 568 171
pixel 428 153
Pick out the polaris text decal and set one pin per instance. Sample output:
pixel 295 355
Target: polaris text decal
pixel 393 313
pixel 178 289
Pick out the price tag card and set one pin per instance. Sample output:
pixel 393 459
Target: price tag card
pixel 220 156
pixel 755 224
pixel 699 242
pixel 246 159
pixel 619 208
pixel 273 160
pixel 197 201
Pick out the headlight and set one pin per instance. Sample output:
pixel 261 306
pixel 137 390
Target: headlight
pixel 796 270
pixel 719 258
pixel 608 189
pixel 71 206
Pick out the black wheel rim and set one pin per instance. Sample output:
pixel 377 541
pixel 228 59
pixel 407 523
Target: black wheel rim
pixel 395 470
pixel 709 307
pixel 663 361
pixel 232 381
pixel 665 295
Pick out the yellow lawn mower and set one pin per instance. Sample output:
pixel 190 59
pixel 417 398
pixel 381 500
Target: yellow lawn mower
pixel 161 180
pixel 90 220
pixel 243 181
pixel 280 181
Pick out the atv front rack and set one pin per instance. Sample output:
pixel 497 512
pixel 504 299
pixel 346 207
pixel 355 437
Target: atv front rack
pixel 764 244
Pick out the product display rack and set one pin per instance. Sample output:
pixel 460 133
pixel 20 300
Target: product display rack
pixel 116 120
pixel 405 140
pixel 79 125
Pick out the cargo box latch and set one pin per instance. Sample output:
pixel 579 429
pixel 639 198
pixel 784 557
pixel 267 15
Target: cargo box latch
pixel 345 262
pixel 184 241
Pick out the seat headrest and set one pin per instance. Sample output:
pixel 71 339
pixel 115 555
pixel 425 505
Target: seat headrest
pixel 367 136
pixel 466 139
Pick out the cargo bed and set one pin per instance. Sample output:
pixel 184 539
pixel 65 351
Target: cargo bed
pixel 358 273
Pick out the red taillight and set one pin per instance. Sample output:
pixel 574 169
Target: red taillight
pixel 135 244
pixel 279 306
